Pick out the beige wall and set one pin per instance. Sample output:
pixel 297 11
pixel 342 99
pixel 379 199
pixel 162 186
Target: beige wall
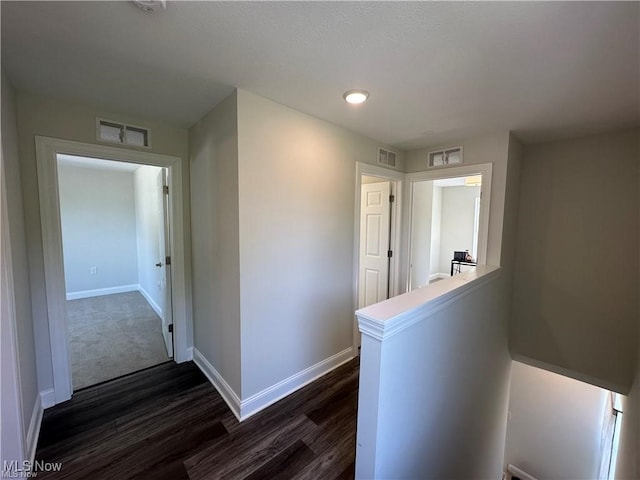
pixel 297 194
pixel 512 204
pixel 213 143
pixel 575 303
pixel 18 245
pixel 58 119
pixel 629 457
pixel 488 149
pixel 273 195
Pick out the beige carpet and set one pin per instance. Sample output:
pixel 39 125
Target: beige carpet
pixel 112 335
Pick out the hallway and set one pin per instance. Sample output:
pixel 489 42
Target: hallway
pixel 168 422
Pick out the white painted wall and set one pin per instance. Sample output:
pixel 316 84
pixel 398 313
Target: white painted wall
pixel 575 304
pixel 421 233
pixel 149 227
pixel 20 400
pixel 98 228
pixel 555 424
pixel 213 145
pixel 296 195
pixel 433 398
pixel 39 115
pixel 456 228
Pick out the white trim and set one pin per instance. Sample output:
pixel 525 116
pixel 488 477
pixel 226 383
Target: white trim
pixel 396 178
pixel 156 308
pixel 34 428
pixel 278 391
pixel 190 354
pixel 223 388
pixel 484 169
pixel 53 269
pixel 244 409
pixel 46 151
pixel 98 292
pixel 385 319
pixel 47 398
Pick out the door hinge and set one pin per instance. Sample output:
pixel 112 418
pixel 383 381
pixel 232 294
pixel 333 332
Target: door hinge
pixel 170 328
pixel 167 261
pixel 165 189
pixel 389 253
pixel 392 198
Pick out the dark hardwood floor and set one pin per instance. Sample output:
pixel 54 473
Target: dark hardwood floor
pixel 168 422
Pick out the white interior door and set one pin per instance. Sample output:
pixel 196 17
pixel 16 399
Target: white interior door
pixel 375 220
pixel 164 262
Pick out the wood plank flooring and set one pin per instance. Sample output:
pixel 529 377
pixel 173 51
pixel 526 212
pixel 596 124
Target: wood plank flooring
pixel 168 422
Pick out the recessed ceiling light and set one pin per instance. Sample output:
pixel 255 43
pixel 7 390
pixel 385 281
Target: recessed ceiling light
pixel 355 96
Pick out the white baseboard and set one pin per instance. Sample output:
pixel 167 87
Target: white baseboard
pixel 243 409
pixel 34 428
pixel 223 388
pixel 48 398
pixel 272 394
pixel 152 303
pixel 102 291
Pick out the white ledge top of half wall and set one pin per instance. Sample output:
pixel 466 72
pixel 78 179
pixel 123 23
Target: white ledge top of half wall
pixel 385 319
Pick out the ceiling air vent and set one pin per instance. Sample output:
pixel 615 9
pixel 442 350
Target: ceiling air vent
pixel 442 158
pixel 114 132
pixel 387 157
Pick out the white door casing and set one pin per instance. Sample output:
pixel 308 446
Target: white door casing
pixel 375 218
pixel 164 252
pixel 483 169
pixel 46 151
pixel 396 283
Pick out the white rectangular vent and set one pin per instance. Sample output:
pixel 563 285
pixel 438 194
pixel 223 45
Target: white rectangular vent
pixel 442 158
pixel 114 132
pixel 387 157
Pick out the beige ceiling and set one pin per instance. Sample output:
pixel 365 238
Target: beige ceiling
pixel 436 71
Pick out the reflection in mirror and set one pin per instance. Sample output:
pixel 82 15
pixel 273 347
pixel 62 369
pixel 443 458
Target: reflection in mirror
pixel 445 218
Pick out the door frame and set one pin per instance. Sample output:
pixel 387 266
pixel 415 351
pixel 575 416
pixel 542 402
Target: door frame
pixel 396 179
pixel 164 178
pixel 484 169
pixel 47 149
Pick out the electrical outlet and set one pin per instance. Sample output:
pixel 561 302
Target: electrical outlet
pixel 93 270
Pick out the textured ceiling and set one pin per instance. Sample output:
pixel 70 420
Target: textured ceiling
pixel 436 71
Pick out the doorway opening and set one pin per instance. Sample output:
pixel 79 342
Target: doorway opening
pixel 445 220
pixel 377 238
pixel 114 218
pixel 448 223
pixel 47 151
